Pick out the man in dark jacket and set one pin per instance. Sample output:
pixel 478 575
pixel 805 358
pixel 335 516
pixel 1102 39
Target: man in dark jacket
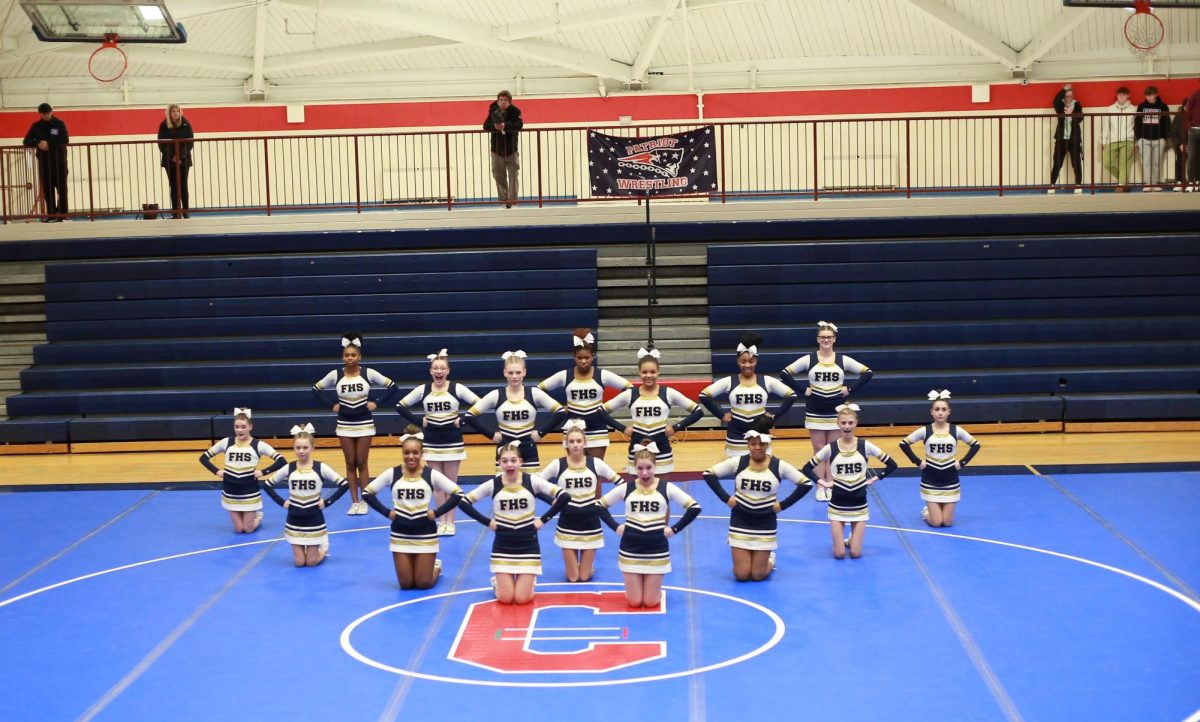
pixel 49 136
pixel 1151 130
pixel 1068 135
pixel 1179 133
pixel 1191 118
pixel 504 122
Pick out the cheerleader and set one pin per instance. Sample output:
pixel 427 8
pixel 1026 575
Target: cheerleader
pixel 443 439
pixel 516 412
pixel 848 462
pixel 578 533
pixel 649 409
pixel 939 469
pixel 748 393
pixel 239 480
pixel 644 555
pixel 584 390
pixel 414 541
pixel 355 425
pixel 826 388
pixel 305 525
pixel 757 477
pixel 516 555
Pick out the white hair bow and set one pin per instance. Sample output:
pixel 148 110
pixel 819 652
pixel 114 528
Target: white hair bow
pixel 418 436
pixel 850 407
pixel 515 445
pixel 355 341
pixel 308 428
pixel 935 395
pixel 574 425
pixel 826 325
pixel 650 446
pixel 652 353
pixel 765 438
pixel 587 340
pixel 510 354
pixel 440 354
pixel 743 348
pixel 239 410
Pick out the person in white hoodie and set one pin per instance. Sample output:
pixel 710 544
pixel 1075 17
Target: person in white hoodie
pixel 1116 138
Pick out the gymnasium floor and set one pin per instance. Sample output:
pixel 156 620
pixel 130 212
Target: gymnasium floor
pixel 1065 592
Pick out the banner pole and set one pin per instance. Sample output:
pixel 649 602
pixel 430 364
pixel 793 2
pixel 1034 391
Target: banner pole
pixel 651 273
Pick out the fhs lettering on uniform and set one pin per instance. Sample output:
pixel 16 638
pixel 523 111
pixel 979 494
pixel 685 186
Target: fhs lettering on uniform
pixel 742 398
pixel 644 507
pixel 518 504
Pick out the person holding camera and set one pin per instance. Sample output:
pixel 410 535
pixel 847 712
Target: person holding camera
pixel 1068 135
pixel 504 123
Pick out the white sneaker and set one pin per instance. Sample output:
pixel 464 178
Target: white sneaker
pixel 493 581
pixel 1147 189
pixel 363 508
pixel 441 528
pixel 822 493
pixel 1190 189
pixel 771 561
pixel 846 541
pixel 925 513
pixel 1177 189
pixel 324 547
pixel 353 510
pixel 437 565
pixel 1078 191
pixel 450 529
pixel 1050 191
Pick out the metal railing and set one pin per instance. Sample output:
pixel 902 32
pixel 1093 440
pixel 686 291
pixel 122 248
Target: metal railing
pixel 375 171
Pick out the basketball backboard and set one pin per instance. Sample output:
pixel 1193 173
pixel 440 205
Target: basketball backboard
pixel 73 21
pixel 1154 4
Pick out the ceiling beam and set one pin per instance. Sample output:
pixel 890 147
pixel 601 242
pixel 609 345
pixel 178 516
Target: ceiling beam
pixel 379 14
pixel 653 40
pixel 606 16
pixel 292 62
pixel 967 31
pixel 255 86
pixel 1052 34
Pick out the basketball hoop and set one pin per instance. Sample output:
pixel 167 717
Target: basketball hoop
pixel 1143 30
pixel 108 62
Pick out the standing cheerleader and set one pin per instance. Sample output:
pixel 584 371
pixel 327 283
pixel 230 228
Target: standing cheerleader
pixel 757 477
pixel 516 411
pixel 355 425
pixel 443 439
pixel 748 393
pixel 827 371
pixel 848 456
pixel 650 409
pixel 240 474
pixel 644 555
pixel 414 541
pixel 939 470
pixel 584 389
pixel 578 533
pixel 305 525
pixel 516 555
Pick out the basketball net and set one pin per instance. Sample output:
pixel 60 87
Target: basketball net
pixel 108 62
pixel 1143 30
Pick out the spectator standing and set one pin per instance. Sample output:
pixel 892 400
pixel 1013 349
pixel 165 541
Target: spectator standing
pixel 1068 134
pixel 1151 129
pixel 49 136
pixel 1116 139
pixel 1191 118
pixel 1179 133
pixel 504 122
pixel 175 145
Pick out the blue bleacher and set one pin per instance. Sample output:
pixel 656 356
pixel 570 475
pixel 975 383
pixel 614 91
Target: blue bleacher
pixel 1084 327
pixel 165 349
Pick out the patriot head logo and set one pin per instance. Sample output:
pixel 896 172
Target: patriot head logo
pixel 660 156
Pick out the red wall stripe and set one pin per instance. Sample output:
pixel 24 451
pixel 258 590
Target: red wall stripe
pixel 266 119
